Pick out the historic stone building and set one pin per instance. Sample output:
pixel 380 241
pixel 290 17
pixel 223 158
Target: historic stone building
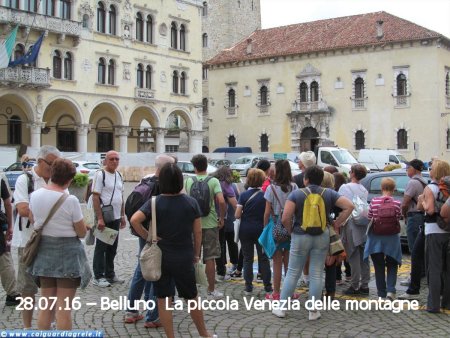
pixel 224 23
pixel 111 74
pixel 363 81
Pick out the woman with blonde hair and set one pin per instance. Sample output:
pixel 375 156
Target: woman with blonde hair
pixel 436 240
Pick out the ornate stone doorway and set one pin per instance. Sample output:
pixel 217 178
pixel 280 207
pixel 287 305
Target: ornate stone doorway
pixel 309 139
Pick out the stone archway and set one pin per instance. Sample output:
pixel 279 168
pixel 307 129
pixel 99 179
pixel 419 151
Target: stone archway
pixel 309 139
pixel 144 125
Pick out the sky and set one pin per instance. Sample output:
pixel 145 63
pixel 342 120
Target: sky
pixel 431 14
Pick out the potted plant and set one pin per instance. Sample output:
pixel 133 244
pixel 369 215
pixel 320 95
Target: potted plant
pixel 79 186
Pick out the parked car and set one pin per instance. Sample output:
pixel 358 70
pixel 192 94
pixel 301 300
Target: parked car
pixel 372 182
pixel 220 162
pixel 244 163
pixel 187 168
pixel 85 167
pixel 14 171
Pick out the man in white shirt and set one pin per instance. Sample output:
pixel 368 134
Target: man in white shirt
pixel 107 191
pixel 26 183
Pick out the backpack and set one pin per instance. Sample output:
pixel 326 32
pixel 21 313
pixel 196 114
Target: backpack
pixel 314 213
pixel 360 212
pixel 140 194
pixel 441 198
pixel 386 222
pixel 200 192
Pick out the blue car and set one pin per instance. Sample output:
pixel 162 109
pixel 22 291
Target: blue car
pixel 13 172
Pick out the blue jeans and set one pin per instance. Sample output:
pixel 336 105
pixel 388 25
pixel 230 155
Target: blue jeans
pixel 302 246
pixel 381 263
pixel 139 285
pixel 414 221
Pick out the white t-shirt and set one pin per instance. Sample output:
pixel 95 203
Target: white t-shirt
pixel 61 223
pixel 21 237
pixel 350 189
pixel 106 191
pixel 433 228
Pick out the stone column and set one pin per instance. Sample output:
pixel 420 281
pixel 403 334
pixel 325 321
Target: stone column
pixel 195 141
pixel 82 132
pixel 35 129
pixel 122 132
pixel 159 139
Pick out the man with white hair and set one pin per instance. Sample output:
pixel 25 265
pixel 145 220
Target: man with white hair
pixel 138 283
pixel 38 177
pixel 305 160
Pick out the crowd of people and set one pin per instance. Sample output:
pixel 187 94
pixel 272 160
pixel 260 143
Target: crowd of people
pixel 289 220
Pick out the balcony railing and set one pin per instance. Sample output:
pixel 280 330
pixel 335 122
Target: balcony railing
pixel 144 94
pixel 305 107
pixel 28 77
pixel 264 109
pixel 359 103
pixel 401 101
pixel 40 22
pixel 231 111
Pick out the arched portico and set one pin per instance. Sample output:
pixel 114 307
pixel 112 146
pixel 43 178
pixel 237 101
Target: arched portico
pixel 144 125
pixel 106 122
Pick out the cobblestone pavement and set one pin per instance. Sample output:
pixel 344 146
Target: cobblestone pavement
pixel 241 322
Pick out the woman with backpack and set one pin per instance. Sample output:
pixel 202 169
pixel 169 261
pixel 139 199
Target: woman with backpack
pixel 383 239
pixel 436 240
pixel 276 196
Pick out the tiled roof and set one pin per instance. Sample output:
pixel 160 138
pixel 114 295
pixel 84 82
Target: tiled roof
pixel 329 34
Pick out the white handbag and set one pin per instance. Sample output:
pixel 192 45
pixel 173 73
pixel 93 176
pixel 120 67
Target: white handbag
pixel 150 259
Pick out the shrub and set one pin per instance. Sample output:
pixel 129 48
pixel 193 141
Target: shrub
pixel 391 167
pixel 236 177
pixel 80 180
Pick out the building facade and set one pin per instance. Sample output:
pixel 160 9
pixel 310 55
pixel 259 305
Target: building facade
pixel 111 74
pixel 364 81
pixel 224 23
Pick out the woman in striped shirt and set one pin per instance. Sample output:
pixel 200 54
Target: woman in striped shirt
pixel 383 240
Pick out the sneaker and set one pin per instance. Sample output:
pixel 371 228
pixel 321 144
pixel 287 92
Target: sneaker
pixel 220 278
pixel 390 296
pixel 408 296
pixel 364 291
pixel 314 315
pixel 248 291
pixel 259 278
pixel 132 317
pixel 405 282
pixel 236 275
pixel 215 294
pixel 115 280
pixel 232 269
pixel 101 282
pixel 351 291
pixel 279 313
pixel 273 296
pixel 12 300
pixel 152 325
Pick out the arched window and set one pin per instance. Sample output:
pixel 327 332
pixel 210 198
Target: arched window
pixel 140 76
pixel 68 66
pixel 303 92
pixel 12 4
pixel 65 9
pixel 205 105
pixel 149 29
pixel 111 71
pixel 19 51
pixel 85 21
pixel 359 88
pixel 15 130
pixel 175 82
pixel 401 85
pixel 263 95
pixel 360 140
pixel 30 5
pixel 173 35
pixel 101 14
pixel 57 64
pixel 205 40
pixel 48 7
pixel 148 77
pixel 447 84
pixel 101 71
pixel 231 141
pixel 264 139
pixel 112 20
pixel 402 139
pixel 183 83
pixel 314 91
pixel 182 37
pixel 231 98
pixel 139 27
pixel 205 8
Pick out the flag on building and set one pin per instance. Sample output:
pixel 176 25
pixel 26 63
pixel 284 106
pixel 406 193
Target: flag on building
pixel 6 48
pixel 31 55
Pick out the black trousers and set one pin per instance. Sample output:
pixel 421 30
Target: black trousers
pixel 417 263
pixel 104 255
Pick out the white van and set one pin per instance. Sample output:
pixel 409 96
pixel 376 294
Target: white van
pixel 377 159
pixel 337 157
